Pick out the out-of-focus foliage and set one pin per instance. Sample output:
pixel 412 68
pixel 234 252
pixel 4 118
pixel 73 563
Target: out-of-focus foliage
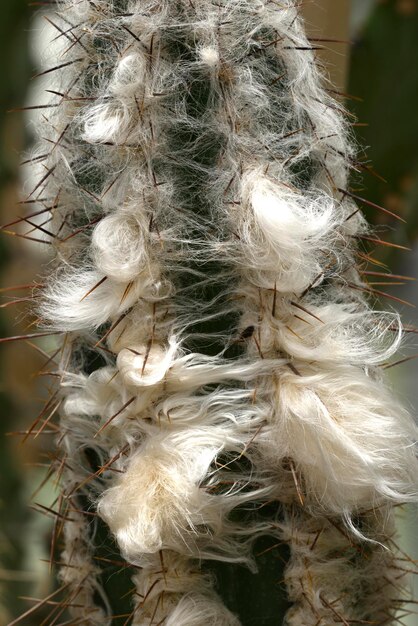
pixel 384 75
pixel 15 519
pixel 14 25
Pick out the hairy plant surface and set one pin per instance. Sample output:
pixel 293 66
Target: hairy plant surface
pixel 219 356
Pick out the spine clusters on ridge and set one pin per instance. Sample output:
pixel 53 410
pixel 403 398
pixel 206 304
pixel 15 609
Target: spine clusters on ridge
pixel 219 352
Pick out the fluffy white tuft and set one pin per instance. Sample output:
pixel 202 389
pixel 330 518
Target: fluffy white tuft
pixel 346 435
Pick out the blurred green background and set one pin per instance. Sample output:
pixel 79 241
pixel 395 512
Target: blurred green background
pixel 376 73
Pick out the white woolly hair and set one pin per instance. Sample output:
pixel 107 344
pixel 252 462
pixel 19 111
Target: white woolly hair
pixel 199 610
pixel 157 502
pixel 160 503
pixel 288 234
pixel 174 590
pixel 331 578
pixel 119 247
pixel 196 182
pixel 350 440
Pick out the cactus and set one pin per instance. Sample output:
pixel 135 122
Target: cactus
pixel 220 375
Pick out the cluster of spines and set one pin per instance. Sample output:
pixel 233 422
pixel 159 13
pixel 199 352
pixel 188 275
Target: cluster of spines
pixel 193 178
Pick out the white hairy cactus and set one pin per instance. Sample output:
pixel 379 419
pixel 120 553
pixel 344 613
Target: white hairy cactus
pixel 207 250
